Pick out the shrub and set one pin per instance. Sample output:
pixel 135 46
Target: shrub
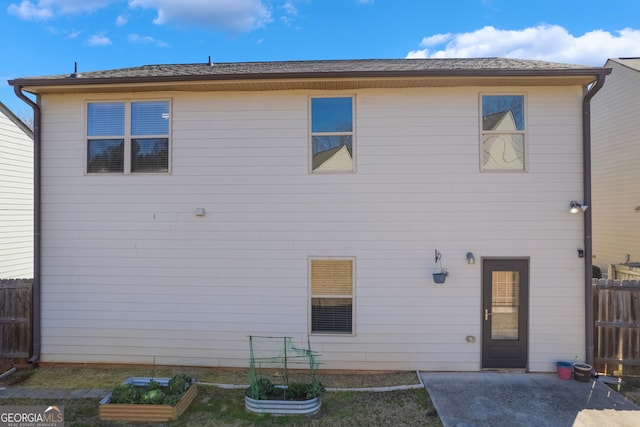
pixel 297 391
pixel 597 273
pixel 315 389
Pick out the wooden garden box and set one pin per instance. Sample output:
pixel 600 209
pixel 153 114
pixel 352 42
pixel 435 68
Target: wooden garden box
pixel 145 412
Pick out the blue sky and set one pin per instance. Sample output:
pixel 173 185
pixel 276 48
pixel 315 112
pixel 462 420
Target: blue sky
pixel 44 37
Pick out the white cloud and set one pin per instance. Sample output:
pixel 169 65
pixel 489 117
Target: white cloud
pixel 290 13
pixel 47 9
pixel 435 40
pixel 235 16
pixel 290 9
pixel 138 39
pixel 98 40
pixel 30 12
pixel 75 6
pixel 543 42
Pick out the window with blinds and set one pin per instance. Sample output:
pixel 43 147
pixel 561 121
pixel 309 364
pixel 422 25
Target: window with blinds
pixel 128 137
pixel 332 296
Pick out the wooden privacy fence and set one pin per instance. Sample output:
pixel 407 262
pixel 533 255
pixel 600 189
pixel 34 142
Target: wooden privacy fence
pixel 616 306
pixel 630 271
pixel 15 318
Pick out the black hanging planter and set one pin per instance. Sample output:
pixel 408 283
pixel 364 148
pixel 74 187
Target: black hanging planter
pixel 439 274
pixel 440 277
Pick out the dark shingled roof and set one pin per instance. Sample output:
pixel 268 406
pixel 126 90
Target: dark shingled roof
pixel 319 69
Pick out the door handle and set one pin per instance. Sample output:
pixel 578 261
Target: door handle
pixel 487 314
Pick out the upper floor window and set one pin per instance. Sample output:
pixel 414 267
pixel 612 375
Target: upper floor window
pixel 503 133
pixel 128 137
pixel 332 134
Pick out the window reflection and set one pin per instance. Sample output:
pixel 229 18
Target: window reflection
pixel 105 155
pixel 150 155
pixel 501 112
pixel 332 134
pixel 503 126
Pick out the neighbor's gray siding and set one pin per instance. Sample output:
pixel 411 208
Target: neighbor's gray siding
pixel 16 198
pixel 132 275
pixel 616 166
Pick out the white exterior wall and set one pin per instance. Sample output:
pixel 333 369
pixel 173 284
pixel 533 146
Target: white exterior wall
pixel 130 273
pixel 616 168
pixel 16 200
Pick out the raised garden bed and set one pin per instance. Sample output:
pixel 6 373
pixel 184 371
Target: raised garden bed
pixel 147 412
pixel 290 398
pixel 282 407
pixel 296 399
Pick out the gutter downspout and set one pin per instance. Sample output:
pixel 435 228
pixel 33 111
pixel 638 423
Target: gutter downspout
pixel 588 244
pixel 37 338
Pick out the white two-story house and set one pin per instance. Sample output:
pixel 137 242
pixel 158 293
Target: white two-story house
pixel 186 207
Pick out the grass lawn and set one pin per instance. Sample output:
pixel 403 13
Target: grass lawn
pixel 216 406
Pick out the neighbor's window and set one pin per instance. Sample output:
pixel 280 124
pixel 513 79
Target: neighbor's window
pixel 332 296
pixel 128 137
pixel 332 134
pixel 503 133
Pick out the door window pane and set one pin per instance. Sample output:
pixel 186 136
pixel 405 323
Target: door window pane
pixel 504 305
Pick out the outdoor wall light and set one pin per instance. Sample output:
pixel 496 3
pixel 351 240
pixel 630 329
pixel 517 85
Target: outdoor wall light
pixel 470 258
pixel 575 207
pixel 200 212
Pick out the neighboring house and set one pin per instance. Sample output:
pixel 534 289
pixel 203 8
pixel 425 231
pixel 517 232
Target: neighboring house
pixel 616 166
pixel 16 197
pixel 186 207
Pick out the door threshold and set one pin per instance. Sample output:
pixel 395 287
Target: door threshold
pixel 506 370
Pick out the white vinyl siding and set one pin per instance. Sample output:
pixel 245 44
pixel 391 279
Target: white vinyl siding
pixel 132 275
pixel 16 200
pixel 616 167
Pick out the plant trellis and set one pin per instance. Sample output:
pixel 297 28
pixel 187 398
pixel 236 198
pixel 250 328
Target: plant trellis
pixel 274 356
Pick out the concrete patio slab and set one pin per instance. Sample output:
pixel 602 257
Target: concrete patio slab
pixel 498 399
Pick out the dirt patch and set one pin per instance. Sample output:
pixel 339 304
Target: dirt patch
pixel 14 378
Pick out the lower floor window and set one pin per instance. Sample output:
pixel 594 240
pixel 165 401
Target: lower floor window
pixel 332 296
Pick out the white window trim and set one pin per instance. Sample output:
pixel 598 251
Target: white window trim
pixel 352 134
pixel 311 296
pixel 524 133
pixel 127 136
